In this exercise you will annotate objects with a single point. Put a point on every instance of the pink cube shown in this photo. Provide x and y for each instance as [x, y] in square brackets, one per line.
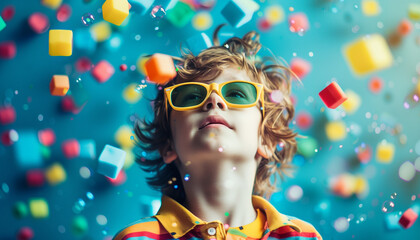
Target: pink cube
[103, 71]
[408, 218]
[35, 178]
[7, 50]
[333, 96]
[298, 22]
[8, 13]
[38, 22]
[46, 137]
[83, 64]
[304, 120]
[25, 233]
[71, 148]
[300, 67]
[7, 114]
[67, 104]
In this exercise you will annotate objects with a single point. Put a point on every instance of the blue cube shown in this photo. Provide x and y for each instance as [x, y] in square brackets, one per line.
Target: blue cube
[2, 24]
[111, 161]
[83, 40]
[140, 6]
[87, 148]
[198, 42]
[28, 150]
[391, 221]
[239, 12]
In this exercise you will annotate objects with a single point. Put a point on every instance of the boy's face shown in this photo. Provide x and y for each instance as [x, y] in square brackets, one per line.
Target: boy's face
[195, 146]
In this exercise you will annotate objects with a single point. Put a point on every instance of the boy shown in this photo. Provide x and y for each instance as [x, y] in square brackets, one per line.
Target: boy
[217, 128]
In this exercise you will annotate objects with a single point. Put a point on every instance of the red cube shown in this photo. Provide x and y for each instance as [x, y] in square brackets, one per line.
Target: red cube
[71, 148]
[35, 178]
[300, 67]
[408, 218]
[7, 50]
[8, 12]
[7, 114]
[333, 96]
[38, 22]
[25, 233]
[103, 71]
[83, 64]
[46, 137]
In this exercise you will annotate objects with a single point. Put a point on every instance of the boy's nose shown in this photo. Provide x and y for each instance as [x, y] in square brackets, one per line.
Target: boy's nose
[214, 101]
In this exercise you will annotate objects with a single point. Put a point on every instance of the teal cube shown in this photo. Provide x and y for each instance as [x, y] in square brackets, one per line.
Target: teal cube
[198, 42]
[2, 24]
[88, 148]
[83, 40]
[28, 150]
[180, 14]
[111, 161]
[391, 221]
[238, 12]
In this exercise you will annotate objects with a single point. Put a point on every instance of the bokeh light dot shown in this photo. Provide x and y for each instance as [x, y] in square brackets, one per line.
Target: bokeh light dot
[84, 172]
[341, 224]
[101, 220]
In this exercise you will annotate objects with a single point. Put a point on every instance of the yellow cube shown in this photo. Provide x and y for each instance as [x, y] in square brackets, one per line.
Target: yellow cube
[414, 11]
[60, 42]
[115, 11]
[368, 54]
[370, 7]
[129, 159]
[141, 61]
[352, 103]
[55, 174]
[100, 31]
[124, 137]
[360, 185]
[274, 14]
[336, 130]
[38, 208]
[53, 4]
[130, 93]
[385, 152]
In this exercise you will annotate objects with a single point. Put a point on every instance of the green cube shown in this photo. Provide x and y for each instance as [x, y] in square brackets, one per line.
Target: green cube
[20, 210]
[306, 146]
[79, 225]
[180, 14]
[2, 24]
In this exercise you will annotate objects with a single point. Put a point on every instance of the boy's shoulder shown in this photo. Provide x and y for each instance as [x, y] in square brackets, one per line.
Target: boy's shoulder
[147, 227]
[306, 229]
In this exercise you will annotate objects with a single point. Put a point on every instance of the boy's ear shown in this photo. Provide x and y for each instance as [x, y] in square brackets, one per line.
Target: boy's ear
[263, 150]
[168, 154]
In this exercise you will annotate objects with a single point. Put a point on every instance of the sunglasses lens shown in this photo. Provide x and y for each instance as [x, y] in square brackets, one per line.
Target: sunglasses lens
[241, 93]
[188, 95]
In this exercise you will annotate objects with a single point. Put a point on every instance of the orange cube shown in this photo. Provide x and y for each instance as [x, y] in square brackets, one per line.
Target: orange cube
[59, 85]
[160, 68]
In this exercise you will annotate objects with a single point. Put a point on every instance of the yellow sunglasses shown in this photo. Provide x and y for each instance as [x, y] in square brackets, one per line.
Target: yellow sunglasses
[192, 95]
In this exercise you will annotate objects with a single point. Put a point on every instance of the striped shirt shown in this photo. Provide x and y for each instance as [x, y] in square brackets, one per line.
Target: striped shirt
[174, 221]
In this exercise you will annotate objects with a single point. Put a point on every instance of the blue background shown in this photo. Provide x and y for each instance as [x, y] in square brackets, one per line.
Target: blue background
[332, 25]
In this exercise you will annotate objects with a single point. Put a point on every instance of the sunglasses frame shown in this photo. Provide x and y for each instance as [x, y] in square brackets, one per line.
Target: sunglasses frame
[217, 88]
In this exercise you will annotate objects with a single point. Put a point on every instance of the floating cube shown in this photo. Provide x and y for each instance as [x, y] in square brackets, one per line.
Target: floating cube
[53, 4]
[385, 152]
[274, 14]
[7, 114]
[39, 22]
[364, 153]
[55, 174]
[367, 54]
[343, 185]
[88, 148]
[198, 42]
[100, 31]
[131, 94]
[360, 185]
[83, 64]
[300, 67]
[7, 50]
[336, 130]
[298, 22]
[141, 62]
[239, 12]
[115, 11]
[333, 96]
[79, 225]
[38, 208]
[71, 148]
[414, 11]
[391, 221]
[2, 24]
[408, 218]
[140, 6]
[124, 136]
[20, 210]
[60, 42]
[370, 7]
[111, 161]
[25, 233]
[84, 40]
[306, 146]
[352, 103]
[28, 150]
[35, 178]
[46, 137]
[304, 120]
[79, 95]
[59, 85]
[407, 171]
[160, 68]
[103, 71]
[180, 14]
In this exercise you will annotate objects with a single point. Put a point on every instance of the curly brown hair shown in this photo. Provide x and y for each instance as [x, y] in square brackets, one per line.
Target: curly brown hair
[274, 129]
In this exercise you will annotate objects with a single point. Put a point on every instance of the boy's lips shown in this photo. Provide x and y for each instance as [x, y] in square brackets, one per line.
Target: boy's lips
[214, 119]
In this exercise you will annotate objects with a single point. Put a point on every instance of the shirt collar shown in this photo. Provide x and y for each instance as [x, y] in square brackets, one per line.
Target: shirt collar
[178, 220]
